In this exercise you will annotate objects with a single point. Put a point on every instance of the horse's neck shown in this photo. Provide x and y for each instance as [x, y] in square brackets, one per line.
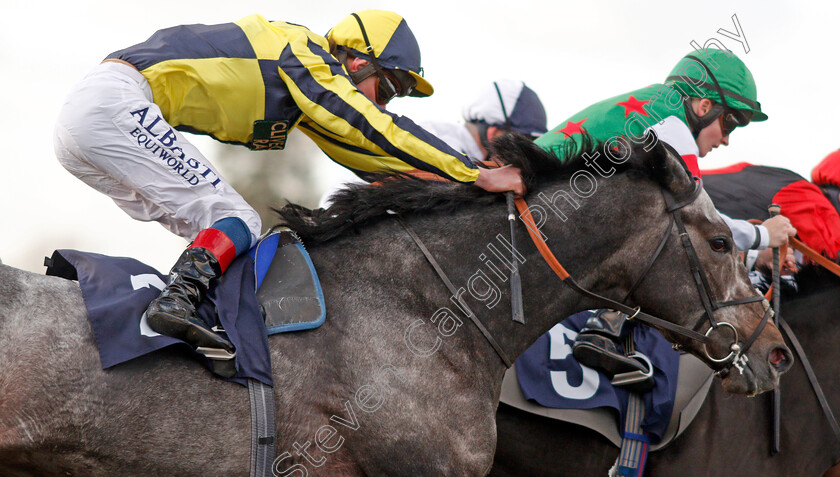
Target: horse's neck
[547, 299]
[477, 260]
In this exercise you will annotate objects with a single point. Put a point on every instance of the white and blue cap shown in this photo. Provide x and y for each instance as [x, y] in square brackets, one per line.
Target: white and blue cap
[508, 104]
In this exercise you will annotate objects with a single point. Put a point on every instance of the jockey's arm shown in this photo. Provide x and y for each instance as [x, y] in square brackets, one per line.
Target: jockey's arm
[774, 232]
[747, 236]
[349, 120]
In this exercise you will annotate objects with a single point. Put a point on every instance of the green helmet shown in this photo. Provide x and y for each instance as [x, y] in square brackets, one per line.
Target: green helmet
[720, 76]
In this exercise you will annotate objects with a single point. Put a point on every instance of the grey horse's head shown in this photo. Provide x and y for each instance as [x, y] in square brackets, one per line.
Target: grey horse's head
[697, 280]
[748, 351]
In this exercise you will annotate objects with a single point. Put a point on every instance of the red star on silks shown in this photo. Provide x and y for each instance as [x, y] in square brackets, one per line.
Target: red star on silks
[572, 128]
[633, 104]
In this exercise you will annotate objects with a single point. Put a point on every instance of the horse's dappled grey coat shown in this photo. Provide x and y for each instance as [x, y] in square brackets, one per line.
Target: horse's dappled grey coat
[397, 381]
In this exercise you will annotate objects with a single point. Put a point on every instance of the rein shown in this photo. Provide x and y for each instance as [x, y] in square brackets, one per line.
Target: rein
[809, 252]
[560, 271]
[812, 378]
[483, 329]
[737, 355]
[797, 346]
[737, 351]
[815, 256]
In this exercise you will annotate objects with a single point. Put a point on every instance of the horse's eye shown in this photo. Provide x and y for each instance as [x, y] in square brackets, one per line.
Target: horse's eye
[720, 244]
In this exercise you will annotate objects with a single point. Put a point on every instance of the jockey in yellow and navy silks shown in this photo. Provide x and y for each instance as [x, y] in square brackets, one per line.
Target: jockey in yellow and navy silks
[248, 82]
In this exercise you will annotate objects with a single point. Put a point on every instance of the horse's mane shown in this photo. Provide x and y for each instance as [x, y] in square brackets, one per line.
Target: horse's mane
[813, 278]
[362, 204]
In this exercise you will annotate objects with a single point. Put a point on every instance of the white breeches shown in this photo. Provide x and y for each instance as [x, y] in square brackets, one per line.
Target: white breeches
[113, 137]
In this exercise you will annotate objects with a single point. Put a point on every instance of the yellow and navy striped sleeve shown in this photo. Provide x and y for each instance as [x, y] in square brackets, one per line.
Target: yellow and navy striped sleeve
[353, 130]
[223, 80]
[355, 158]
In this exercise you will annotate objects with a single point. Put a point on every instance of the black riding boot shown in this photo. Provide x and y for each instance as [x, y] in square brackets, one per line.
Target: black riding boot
[173, 312]
[595, 347]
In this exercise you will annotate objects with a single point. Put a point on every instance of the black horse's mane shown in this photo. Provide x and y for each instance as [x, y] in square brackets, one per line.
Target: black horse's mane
[362, 204]
[812, 278]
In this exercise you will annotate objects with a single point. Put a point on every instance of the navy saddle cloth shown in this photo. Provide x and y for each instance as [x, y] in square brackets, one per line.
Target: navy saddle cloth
[549, 375]
[117, 290]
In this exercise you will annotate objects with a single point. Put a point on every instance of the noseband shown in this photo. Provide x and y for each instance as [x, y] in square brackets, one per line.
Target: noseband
[673, 204]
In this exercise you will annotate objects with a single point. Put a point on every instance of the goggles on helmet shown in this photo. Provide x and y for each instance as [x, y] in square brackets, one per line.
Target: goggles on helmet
[731, 119]
[392, 83]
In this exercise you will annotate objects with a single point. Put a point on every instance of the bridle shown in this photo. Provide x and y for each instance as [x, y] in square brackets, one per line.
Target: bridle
[737, 355]
[737, 350]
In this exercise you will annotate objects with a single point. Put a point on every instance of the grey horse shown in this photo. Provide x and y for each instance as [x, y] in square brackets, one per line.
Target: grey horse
[397, 381]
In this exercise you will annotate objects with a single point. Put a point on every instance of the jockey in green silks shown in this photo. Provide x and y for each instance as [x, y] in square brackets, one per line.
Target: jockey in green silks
[707, 95]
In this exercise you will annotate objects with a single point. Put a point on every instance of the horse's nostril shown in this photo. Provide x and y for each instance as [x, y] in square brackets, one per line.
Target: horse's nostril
[780, 358]
[776, 357]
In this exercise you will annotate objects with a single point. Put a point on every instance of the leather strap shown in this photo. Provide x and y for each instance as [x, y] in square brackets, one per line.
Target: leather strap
[554, 264]
[517, 309]
[815, 256]
[484, 331]
[776, 438]
[767, 313]
[815, 385]
[800, 352]
[805, 250]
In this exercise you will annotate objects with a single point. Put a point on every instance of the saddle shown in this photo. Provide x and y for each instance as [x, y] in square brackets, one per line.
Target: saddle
[281, 292]
[288, 290]
[693, 383]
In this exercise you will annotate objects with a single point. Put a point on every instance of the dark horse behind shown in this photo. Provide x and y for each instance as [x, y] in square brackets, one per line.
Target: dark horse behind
[397, 381]
[729, 436]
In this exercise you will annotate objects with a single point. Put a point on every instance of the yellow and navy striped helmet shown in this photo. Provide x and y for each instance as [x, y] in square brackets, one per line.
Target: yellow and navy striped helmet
[391, 40]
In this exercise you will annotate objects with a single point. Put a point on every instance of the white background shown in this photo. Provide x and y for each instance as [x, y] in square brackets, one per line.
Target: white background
[571, 53]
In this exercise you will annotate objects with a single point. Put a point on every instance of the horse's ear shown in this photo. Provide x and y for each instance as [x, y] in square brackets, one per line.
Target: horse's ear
[664, 163]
